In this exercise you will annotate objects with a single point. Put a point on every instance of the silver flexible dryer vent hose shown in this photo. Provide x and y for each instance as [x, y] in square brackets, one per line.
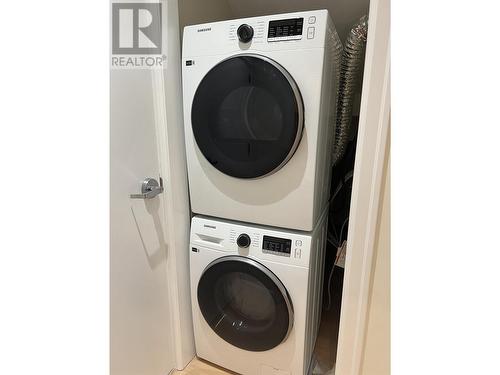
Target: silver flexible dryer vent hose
[350, 72]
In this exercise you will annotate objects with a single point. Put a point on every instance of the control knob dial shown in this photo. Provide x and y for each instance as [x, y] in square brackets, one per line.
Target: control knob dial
[243, 240]
[245, 33]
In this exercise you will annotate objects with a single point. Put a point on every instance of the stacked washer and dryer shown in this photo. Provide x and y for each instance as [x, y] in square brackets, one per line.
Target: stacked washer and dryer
[259, 111]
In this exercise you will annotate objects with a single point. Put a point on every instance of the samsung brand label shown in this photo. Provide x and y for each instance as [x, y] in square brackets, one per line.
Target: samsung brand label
[204, 29]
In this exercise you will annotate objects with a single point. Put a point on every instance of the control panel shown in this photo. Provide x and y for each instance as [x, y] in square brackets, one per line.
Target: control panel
[276, 245]
[289, 29]
[247, 33]
[276, 32]
[250, 240]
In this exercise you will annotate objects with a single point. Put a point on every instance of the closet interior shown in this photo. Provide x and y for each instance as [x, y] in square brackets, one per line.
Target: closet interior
[346, 15]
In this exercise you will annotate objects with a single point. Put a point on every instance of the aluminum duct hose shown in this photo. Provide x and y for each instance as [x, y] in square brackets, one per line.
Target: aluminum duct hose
[350, 73]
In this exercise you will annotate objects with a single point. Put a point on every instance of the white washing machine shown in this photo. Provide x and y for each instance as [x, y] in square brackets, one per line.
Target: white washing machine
[259, 108]
[256, 295]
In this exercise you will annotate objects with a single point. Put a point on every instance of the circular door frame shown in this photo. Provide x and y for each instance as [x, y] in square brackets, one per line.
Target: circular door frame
[277, 282]
[298, 100]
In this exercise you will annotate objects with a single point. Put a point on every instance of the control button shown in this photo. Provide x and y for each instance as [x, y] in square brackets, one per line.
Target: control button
[312, 19]
[297, 253]
[245, 33]
[310, 32]
[298, 243]
[243, 240]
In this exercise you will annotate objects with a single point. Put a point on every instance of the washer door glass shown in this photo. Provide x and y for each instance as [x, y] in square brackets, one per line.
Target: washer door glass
[245, 303]
[247, 116]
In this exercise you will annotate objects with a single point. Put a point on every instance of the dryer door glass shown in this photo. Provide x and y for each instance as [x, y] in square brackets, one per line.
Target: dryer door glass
[245, 303]
[247, 116]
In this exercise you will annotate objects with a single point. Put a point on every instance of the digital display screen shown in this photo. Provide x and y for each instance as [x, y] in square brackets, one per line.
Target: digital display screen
[277, 245]
[285, 28]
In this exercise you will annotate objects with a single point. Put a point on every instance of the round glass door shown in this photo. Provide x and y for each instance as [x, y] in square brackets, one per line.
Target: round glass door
[245, 303]
[247, 116]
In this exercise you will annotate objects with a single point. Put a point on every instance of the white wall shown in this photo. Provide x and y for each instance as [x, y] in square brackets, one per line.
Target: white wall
[192, 12]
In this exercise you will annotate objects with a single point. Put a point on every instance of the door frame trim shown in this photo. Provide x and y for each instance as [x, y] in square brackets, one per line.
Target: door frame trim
[173, 169]
[372, 145]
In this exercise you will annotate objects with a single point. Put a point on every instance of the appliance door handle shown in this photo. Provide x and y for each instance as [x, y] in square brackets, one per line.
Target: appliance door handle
[150, 188]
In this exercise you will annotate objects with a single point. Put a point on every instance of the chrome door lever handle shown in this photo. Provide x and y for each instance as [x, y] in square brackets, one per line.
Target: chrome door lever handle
[149, 189]
[153, 192]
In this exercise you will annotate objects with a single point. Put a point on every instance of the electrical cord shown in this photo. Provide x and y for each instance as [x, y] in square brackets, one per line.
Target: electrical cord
[346, 178]
[335, 233]
[332, 231]
[342, 229]
[333, 267]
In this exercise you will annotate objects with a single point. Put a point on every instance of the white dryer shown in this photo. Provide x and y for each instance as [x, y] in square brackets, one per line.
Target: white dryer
[259, 107]
[256, 295]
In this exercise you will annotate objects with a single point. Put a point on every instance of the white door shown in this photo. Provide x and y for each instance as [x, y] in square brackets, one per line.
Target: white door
[141, 335]
[150, 318]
